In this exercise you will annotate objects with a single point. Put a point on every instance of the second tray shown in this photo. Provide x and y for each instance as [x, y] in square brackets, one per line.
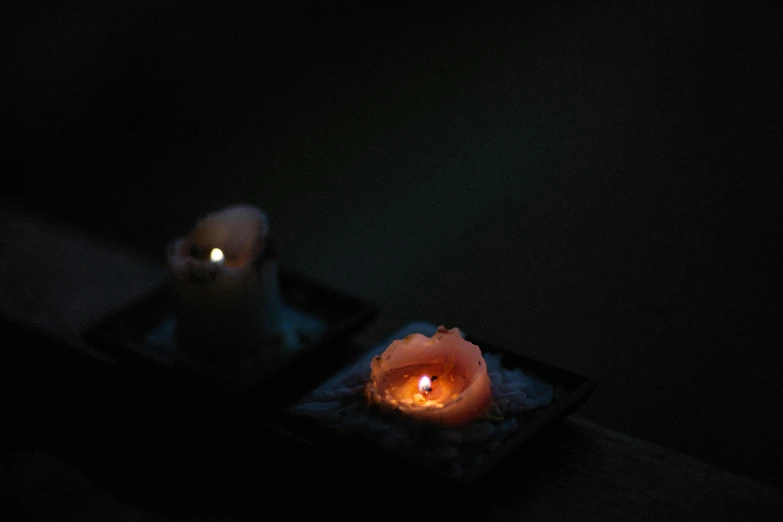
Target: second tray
[143, 331]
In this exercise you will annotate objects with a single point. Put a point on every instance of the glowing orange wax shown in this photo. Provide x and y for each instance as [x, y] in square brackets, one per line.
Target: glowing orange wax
[441, 379]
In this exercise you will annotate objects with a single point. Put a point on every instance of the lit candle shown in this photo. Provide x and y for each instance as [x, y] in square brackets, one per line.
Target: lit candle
[224, 280]
[441, 379]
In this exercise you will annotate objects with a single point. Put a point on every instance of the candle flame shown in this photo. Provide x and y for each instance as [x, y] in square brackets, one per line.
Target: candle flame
[216, 255]
[425, 384]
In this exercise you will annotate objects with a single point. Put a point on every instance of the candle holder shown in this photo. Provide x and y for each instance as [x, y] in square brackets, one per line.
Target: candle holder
[228, 314]
[527, 396]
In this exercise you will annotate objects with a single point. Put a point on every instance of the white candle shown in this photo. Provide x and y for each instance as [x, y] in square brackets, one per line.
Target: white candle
[224, 280]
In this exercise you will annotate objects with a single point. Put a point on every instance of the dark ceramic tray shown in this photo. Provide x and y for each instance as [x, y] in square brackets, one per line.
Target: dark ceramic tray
[141, 333]
[364, 440]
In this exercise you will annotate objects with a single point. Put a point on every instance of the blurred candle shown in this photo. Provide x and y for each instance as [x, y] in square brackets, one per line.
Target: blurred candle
[441, 379]
[224, 280]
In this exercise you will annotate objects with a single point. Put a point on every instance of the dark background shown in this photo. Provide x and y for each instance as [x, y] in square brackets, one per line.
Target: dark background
[593, 186]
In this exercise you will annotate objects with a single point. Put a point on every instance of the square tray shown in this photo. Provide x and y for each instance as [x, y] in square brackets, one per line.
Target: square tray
[141, 333]
[399, 447]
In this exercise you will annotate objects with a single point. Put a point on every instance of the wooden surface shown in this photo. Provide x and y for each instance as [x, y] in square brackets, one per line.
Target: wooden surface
[55, 282]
